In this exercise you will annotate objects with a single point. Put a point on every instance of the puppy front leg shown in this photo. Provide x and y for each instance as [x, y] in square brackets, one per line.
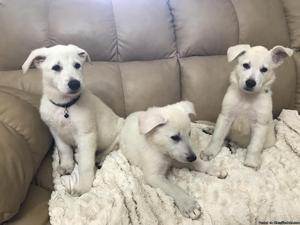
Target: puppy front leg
[221, 130]
[187, 206]
[87, 145]
[65, 152]
[255, 147]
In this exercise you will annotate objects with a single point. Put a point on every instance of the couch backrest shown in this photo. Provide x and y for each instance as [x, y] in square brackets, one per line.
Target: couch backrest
[151, 52]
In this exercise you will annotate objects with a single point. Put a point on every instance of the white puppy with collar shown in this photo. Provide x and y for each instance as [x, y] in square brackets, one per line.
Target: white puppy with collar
[78, 120]
[159, 138]
[247, 105]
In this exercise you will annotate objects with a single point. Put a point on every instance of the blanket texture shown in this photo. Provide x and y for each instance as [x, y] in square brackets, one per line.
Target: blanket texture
[120, 196]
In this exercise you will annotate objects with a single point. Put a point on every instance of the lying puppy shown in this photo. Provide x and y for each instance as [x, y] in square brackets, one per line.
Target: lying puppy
[159, 138]
[77, 119]
[247, 104]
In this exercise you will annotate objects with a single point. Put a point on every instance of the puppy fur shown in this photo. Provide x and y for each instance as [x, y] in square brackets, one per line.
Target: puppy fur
[246, 114]
[159, 138]
[91, 124]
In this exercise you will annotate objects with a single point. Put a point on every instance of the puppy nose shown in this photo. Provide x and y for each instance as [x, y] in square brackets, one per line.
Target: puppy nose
[192, 157]
[74, 85]
[250, 83]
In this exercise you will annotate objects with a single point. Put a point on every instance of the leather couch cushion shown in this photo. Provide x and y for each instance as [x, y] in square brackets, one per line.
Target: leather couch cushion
[26, 33]
[206, 27]
[144, 28]
[262, 22]
[104, 80]
[151, 83]
[30, 82]
[43, 177]
[24, 142]
[284, 88]
[92, 27]
[34, 209]
[205, 81]
[293, 18]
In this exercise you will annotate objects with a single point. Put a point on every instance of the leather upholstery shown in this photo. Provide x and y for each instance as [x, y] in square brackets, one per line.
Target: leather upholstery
[262, 22]
[144, 52]
[35, 208]
[144, 29]
[293, 21]
[101, 42]
[204, 27]
[152, 83]
[197, 87]
[24, 141]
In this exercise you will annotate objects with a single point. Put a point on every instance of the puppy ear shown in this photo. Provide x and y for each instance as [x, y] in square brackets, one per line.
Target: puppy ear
[81, 53]
[187, 107]
[279, 53]
[236, 51]
[149, 120]
[37, 57]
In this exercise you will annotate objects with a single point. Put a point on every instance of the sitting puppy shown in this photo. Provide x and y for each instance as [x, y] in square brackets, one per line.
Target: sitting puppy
[247, 104]
[77, 119]
[159, 138]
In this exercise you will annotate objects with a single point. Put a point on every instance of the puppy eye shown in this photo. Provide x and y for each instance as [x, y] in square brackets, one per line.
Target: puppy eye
[246, 66]
[57, 68]
[263, 69]
[176, 137]
[77, 66]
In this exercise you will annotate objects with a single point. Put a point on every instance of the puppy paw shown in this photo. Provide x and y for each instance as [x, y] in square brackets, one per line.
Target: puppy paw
[207, 155]
[219, 173]
[189, 208]
[66, 167]
[253, 161]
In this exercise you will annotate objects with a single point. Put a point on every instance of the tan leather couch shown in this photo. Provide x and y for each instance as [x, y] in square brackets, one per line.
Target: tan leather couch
[144, 52]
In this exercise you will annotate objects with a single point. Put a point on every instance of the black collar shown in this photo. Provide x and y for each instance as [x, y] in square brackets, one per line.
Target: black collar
[66, 105]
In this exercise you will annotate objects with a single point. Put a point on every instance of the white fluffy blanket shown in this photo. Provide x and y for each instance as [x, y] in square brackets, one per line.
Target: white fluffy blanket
[120, 196]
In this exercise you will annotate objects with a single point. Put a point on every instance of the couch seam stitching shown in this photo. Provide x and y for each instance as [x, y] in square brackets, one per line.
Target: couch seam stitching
[116, 32]
[118, 57]
[173, 28]
[122, 86]
[177, 56]
[48, 42]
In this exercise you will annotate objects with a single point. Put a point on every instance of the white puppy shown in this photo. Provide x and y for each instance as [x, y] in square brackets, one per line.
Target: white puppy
[77, 119]
[159, 138]
[247, 104]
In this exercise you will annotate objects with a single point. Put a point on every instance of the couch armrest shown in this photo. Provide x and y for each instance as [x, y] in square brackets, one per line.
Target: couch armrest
[24, 141]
